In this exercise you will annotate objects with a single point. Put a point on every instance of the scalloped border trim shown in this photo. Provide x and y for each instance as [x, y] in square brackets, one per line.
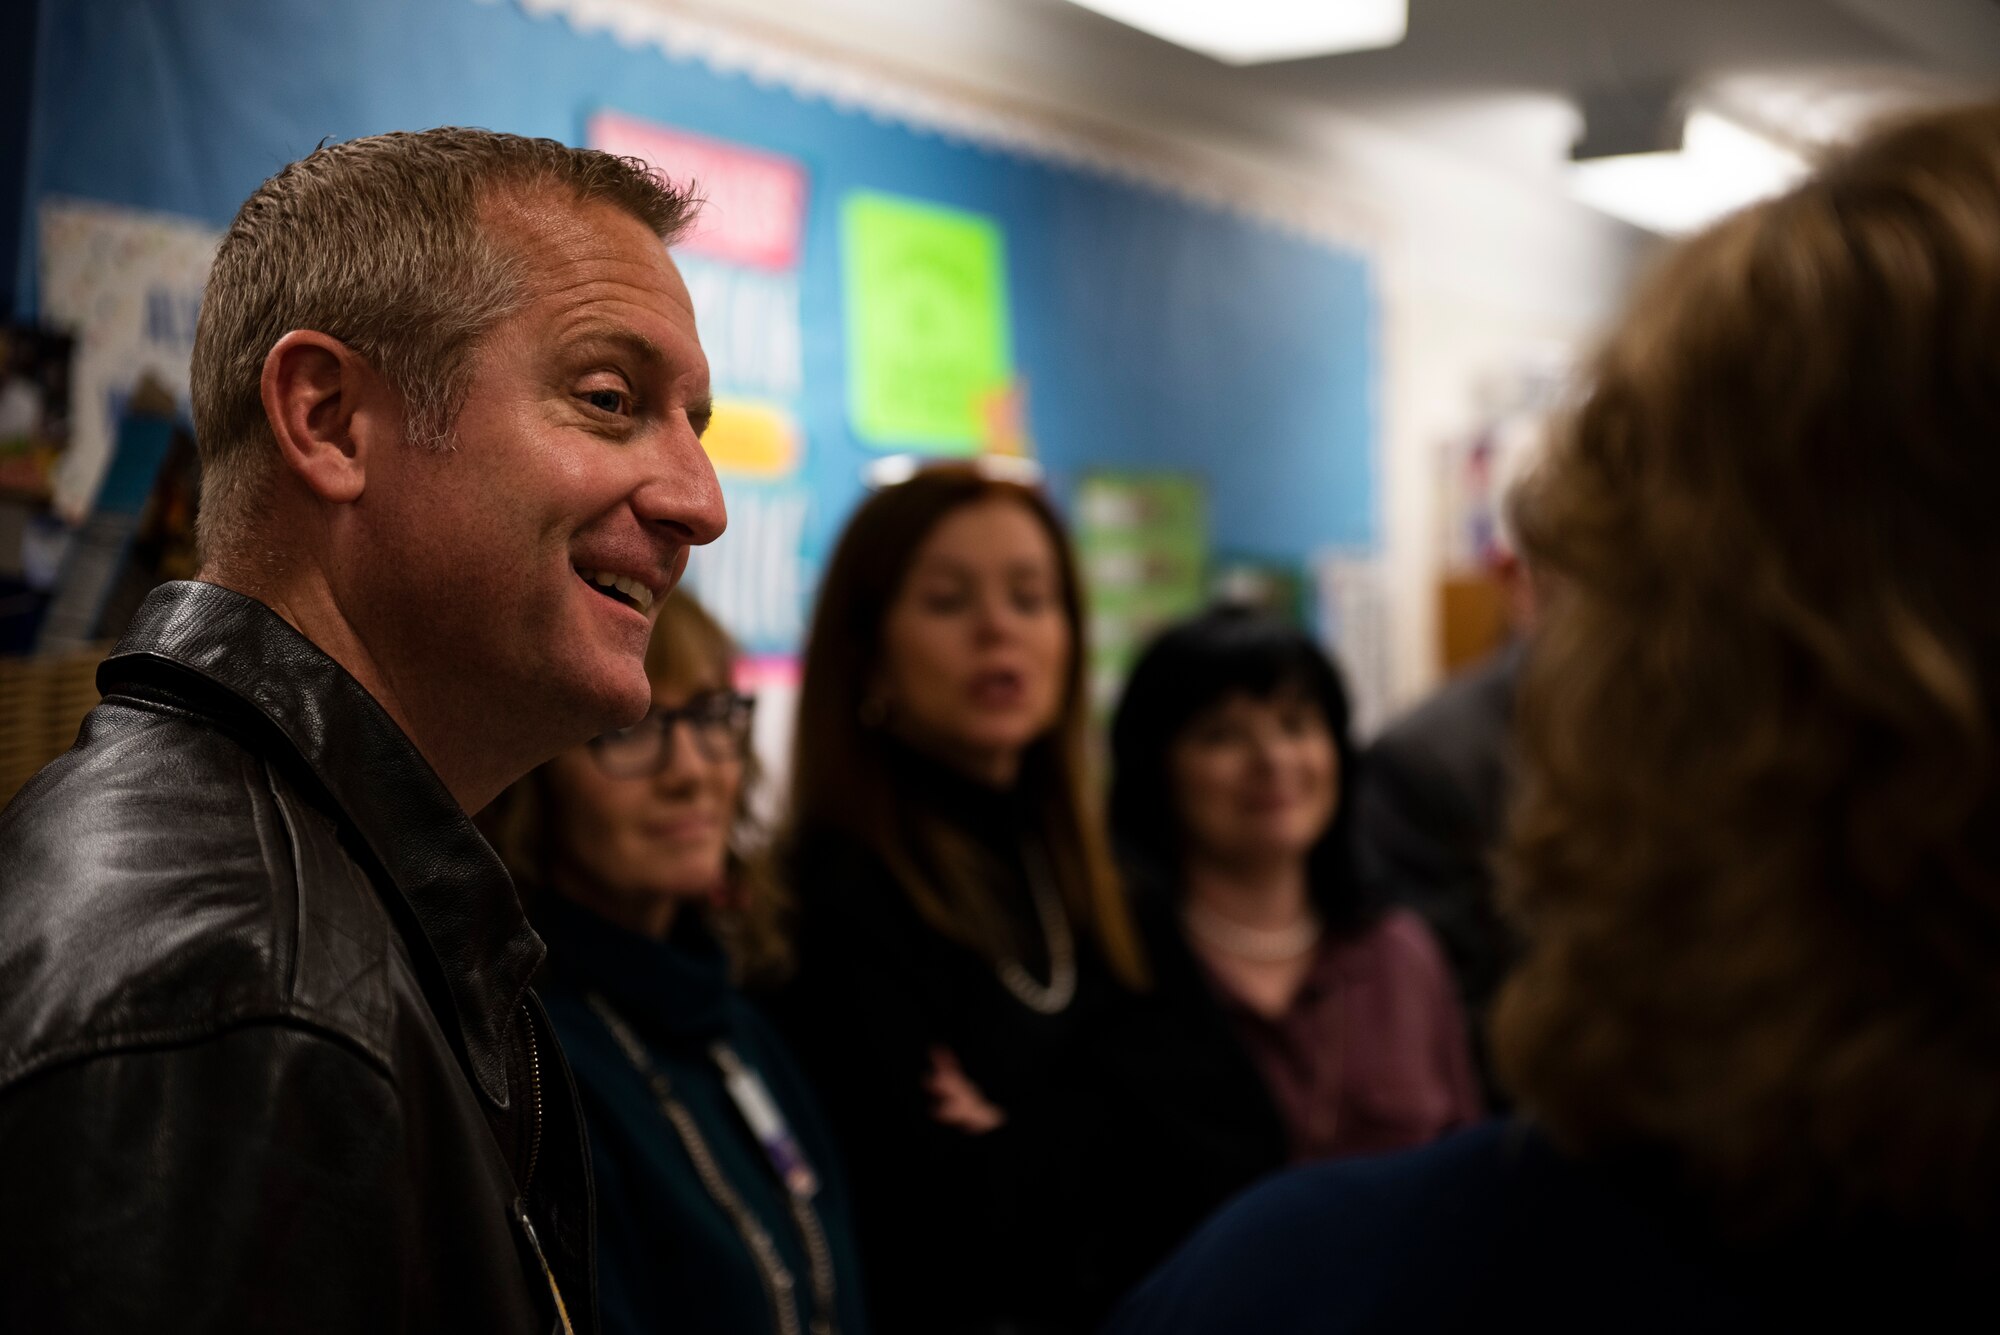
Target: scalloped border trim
[1169, 166]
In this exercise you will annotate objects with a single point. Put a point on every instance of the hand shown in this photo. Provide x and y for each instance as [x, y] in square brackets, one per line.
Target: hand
[955, 1100]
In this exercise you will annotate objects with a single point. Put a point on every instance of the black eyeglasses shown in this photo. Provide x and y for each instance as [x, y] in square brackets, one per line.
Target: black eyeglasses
[719, 722]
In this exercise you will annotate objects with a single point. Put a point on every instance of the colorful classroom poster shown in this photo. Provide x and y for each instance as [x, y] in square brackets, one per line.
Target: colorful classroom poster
[754, 203]
[741, 260]
[929, 332]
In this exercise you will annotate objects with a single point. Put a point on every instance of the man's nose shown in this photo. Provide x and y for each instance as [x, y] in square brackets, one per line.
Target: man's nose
[681, 491]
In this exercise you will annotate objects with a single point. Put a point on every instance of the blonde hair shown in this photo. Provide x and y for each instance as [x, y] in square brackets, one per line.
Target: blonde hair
[753, 916]
[378, 242]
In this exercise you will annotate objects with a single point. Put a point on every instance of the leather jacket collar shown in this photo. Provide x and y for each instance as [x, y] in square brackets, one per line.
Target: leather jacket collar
[451, 883]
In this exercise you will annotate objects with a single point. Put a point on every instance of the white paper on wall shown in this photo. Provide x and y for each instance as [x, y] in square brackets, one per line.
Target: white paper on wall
[1353, 611]
[127, 285]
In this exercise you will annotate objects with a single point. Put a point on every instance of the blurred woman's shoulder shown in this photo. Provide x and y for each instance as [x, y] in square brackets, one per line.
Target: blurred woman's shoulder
[1496, 1226]
[1399, 938]
[1461, 1232]
[851, 916]
[835, 876]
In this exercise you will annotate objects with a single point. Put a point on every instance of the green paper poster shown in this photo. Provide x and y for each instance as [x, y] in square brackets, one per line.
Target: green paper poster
[1142, 542]
[928, 330]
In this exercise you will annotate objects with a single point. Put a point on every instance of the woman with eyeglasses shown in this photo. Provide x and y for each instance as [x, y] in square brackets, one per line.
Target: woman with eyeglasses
[961, 927]
[720, 1206]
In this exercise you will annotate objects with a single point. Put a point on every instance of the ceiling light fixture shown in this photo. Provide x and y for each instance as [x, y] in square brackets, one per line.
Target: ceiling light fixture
[1250, 32]
[1719, 168]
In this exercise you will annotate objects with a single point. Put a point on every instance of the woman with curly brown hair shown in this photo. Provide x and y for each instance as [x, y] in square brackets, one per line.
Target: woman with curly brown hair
[1757, 1030]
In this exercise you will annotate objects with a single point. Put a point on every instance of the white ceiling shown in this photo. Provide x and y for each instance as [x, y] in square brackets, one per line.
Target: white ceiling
[1553, 45]
[1506, 78]
[1471, 119]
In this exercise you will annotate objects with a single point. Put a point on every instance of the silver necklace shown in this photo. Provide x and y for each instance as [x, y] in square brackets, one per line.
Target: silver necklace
[1054, 996]
[1259, 945]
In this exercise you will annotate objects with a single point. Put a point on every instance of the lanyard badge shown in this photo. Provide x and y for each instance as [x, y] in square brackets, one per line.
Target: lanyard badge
[760, 1112]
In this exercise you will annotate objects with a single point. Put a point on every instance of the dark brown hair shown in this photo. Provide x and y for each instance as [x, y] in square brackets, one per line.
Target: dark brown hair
[752, 918]
[1191, 668]
[842, 781]
[1758, 852]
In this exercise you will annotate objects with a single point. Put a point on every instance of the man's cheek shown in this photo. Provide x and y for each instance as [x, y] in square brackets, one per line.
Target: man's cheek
[679, 569]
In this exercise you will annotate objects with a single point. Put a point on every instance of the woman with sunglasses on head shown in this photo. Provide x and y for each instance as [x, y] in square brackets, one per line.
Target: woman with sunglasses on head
[719, 1204]
[960, 923]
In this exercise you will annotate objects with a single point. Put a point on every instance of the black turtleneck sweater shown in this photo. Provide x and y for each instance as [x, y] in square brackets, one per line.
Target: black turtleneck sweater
[961, 1234]
[668, 1257]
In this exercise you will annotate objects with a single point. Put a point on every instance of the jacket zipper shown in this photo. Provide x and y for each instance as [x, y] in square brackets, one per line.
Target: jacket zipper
[525, 1220]
[534, 1098]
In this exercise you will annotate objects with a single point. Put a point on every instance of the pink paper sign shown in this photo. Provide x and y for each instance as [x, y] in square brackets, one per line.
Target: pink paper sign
[767, 672]
[756, 200]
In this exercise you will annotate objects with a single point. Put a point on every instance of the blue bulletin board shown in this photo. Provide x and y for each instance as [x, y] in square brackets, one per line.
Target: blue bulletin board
[1149, 331]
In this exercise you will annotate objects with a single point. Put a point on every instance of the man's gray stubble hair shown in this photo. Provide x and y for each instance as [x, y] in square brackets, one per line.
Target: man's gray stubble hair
[379, 242]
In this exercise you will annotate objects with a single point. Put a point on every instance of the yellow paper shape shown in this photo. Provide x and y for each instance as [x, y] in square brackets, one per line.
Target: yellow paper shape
[747, 439]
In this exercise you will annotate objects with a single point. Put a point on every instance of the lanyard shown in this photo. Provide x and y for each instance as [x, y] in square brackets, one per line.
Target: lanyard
[527, 1227]
[777, 1279]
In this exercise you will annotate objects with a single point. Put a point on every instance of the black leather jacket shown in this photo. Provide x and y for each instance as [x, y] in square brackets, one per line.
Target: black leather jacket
[268, 1059]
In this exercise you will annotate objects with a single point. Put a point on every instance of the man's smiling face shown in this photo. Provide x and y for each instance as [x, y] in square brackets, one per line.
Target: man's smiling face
[531, 555]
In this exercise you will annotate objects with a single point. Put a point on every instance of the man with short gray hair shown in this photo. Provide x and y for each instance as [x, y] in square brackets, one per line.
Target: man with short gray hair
[268, 1058]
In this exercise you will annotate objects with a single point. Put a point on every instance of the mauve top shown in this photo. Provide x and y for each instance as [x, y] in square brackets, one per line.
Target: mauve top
[1372, 1053]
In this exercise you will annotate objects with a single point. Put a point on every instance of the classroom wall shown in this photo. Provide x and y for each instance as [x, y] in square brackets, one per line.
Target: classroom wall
[1481, 267]
[1298, 306]
[1149, 329]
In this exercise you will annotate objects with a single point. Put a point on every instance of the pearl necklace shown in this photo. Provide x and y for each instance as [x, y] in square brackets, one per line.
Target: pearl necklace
[1053, 997]
[1258, 945]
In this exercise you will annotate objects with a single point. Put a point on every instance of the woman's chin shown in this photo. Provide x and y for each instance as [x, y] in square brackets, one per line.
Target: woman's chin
[693, 887]
[1266, 847]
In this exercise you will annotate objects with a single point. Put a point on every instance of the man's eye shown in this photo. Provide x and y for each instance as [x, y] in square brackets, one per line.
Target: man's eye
[607, 400]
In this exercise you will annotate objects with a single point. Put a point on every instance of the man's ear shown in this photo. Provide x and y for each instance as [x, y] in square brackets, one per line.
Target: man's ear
[314, 387]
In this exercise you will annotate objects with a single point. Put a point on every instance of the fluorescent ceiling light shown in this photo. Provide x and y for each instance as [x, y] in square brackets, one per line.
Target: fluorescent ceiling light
[1247, 32]
[1719, 168]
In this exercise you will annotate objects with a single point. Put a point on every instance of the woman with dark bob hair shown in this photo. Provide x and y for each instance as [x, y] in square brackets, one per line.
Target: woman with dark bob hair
[1757, 1029]
[1311, 1024]
[961, 925]
[1289, 1019]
